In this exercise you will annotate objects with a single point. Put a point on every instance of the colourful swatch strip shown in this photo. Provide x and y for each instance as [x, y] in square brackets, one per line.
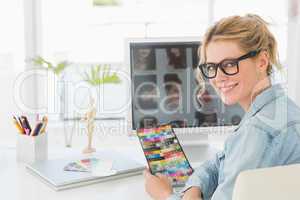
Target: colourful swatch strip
[84, 165]
[164, 153]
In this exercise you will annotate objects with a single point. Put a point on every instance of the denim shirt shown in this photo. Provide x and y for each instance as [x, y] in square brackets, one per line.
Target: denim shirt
[267, 136]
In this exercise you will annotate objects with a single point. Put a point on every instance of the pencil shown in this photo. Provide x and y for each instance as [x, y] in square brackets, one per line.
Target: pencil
[18, 126]
[37, 129]
[45, 122]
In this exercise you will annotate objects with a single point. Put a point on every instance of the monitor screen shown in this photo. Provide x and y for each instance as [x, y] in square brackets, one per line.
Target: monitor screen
[165, 87]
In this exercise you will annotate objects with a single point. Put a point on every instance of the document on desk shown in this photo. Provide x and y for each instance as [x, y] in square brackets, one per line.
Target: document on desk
[108, 166]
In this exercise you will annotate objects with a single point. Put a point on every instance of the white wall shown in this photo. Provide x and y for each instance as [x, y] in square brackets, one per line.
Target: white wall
[293, 50]
[19, 41]
[7, 131]
[11, 63]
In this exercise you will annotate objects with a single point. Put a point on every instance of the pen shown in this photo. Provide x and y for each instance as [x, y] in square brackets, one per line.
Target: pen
[17, 125]
[20, 122]
[45, 121]
[25, 125]
[37, 129]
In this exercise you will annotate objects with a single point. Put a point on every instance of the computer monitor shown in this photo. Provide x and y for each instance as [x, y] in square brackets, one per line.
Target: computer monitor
[165, 89]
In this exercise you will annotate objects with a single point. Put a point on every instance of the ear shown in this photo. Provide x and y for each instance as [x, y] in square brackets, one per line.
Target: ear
[263, 62]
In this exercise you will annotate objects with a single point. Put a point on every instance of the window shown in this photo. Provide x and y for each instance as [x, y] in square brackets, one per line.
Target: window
[81, 32]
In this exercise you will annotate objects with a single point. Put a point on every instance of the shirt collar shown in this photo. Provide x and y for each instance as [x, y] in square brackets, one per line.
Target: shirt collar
[262, 99]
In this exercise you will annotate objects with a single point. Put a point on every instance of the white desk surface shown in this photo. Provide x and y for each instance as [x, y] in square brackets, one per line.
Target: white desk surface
[16, 183]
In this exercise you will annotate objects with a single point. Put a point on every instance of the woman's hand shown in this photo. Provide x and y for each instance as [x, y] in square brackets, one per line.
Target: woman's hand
[158, 187]
[193, 193]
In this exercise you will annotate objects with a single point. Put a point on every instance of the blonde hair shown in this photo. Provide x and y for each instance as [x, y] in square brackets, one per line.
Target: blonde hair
[249, 31]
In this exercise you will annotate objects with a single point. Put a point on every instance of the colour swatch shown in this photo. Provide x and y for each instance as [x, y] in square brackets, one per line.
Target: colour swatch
[164, 153]
[84, 165]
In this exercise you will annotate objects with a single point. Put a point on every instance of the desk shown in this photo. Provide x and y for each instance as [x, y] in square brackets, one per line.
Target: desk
[17, 184]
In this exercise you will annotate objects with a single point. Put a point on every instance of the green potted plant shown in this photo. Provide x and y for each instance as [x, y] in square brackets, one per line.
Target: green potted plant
[58, 70]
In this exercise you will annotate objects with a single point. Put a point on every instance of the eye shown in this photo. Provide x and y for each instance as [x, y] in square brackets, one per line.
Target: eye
[229, 63]
[210, 67]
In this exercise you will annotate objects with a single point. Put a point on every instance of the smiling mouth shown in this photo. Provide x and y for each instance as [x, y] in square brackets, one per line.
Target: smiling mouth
[227, 88]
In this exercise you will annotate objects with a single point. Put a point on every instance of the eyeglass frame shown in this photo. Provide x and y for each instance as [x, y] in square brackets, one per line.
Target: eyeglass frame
[250, 54]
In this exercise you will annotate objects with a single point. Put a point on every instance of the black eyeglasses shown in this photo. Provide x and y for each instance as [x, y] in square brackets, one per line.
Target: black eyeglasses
[228, 66]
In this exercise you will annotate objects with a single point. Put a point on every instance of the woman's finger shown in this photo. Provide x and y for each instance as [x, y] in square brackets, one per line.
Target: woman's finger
[147, 174]
[162, 177]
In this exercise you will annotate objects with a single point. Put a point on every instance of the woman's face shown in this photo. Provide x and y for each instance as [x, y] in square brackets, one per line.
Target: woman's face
[175, 51]
[236, 88]
[174, 92]
[144, 53]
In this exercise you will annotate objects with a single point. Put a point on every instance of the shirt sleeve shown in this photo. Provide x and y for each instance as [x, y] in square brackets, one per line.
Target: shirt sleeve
[255, 148]
[206, 176]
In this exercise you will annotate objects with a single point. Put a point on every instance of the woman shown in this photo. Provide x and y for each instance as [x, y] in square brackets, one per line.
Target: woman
[237, 56]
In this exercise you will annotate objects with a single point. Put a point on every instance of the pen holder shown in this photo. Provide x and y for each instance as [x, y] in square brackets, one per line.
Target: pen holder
[32, 148]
